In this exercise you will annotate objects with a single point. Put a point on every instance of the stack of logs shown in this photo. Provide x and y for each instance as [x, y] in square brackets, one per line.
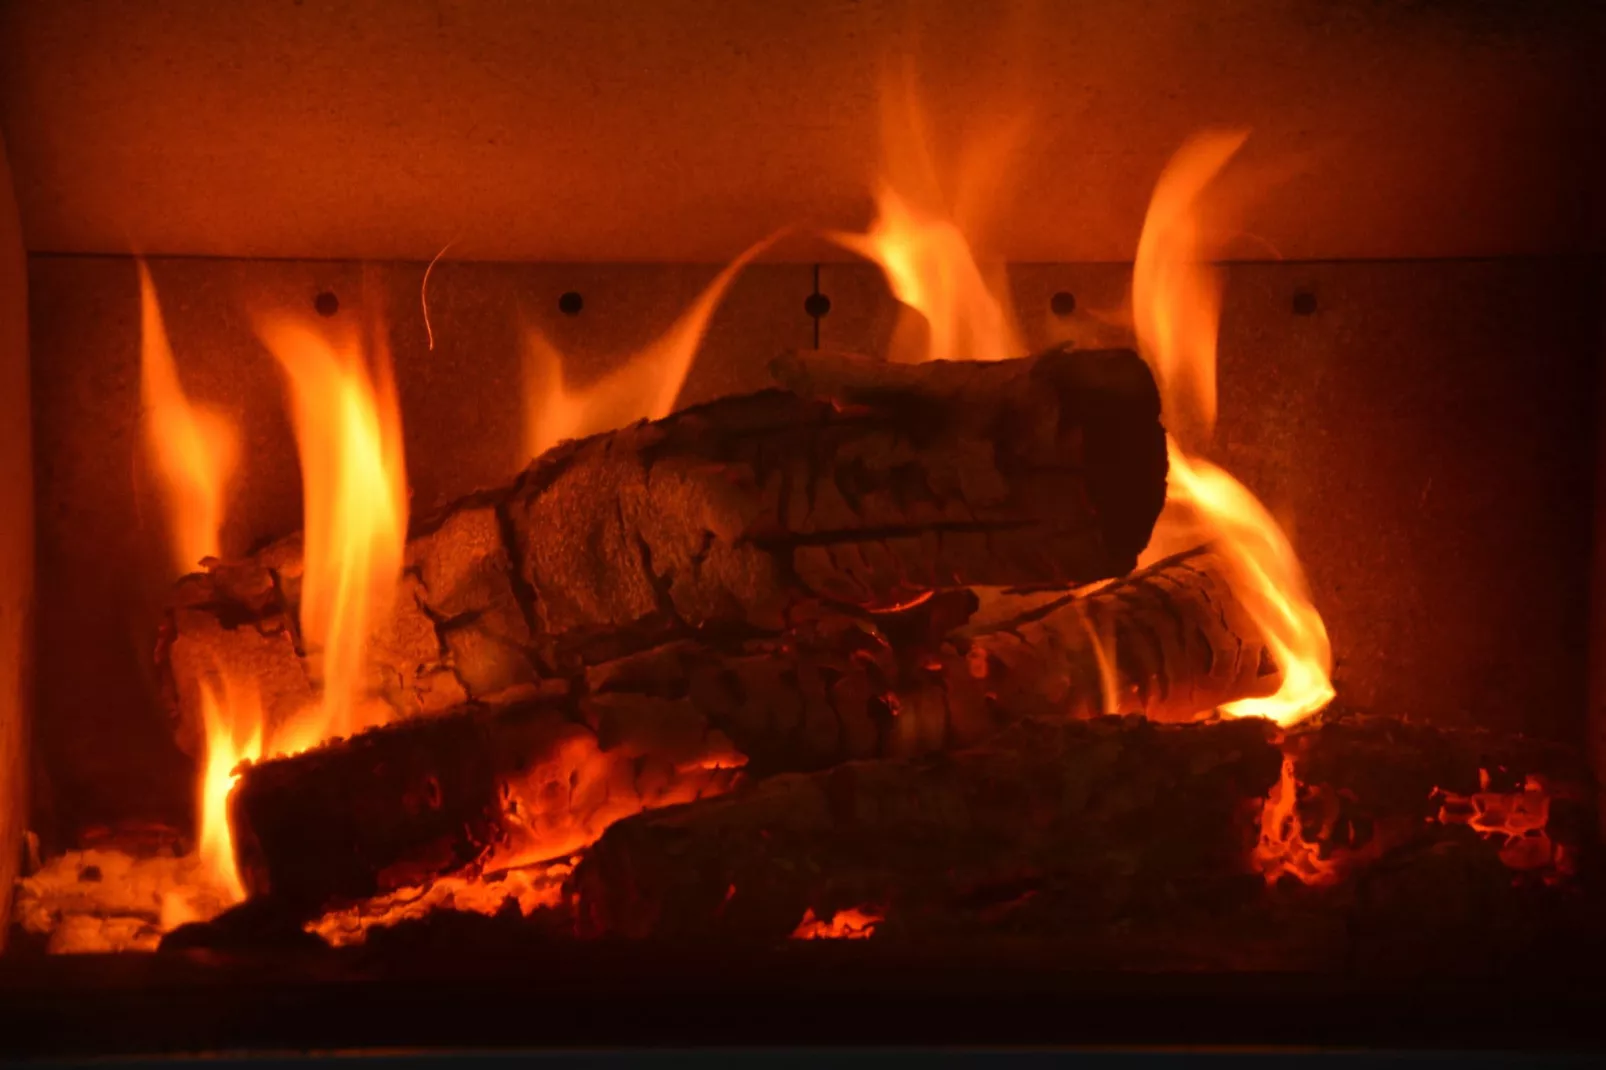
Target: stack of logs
[845, 642]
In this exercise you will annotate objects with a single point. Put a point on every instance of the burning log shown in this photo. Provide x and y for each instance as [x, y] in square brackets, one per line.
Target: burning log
[1171, 642]
[737, 514]
[1108, 804]
[401, 803]
[839, 688]
[394, 807]
[1356, 788]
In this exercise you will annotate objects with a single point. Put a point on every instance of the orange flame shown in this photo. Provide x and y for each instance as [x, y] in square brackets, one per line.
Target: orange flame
[923, 240]
[1282, 847]
[348, 433]
[194, 447]
[644, 388]
[855, 923]
[1176, 299]
[931, 270]
[233, 723]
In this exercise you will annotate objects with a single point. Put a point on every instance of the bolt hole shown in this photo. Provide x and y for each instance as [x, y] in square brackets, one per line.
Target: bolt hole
[1304, 303]
[817, 305]
[1062, 304]
[326, 303]
[571, 303]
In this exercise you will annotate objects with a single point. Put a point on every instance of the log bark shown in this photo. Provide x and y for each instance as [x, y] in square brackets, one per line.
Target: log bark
[543, 775]
[394, 807]
[835, 689]
[1369, 785]
[1170, 642]
[739, 515]
[1112, 805]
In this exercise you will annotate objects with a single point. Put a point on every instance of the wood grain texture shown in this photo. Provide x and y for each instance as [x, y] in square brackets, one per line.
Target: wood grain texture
[741, 516]
[1170, 642]
[1410, 482]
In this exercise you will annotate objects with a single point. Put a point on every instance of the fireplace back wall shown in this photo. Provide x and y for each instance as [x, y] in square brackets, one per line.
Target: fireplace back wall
[1407, 360]
[1424, 429]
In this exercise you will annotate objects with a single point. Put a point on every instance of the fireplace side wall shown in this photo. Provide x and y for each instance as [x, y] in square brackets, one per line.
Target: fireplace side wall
[16, 541]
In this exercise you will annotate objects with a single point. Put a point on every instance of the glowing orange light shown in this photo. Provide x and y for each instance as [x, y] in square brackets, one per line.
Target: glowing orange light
[1520, 819]
[1176, 298]
[194, 448]
[855, 923]
[923, 246]
[1282, 848]
[234, 723]
[348, 433]
[644, 388]
[930, 269]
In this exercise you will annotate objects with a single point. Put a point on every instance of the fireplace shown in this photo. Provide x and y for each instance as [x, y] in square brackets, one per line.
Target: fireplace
[746, 509]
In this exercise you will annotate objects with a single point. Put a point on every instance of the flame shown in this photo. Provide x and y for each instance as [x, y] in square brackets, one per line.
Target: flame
[348, 434]
[1282, 847]
[644, 388]
[929, 266]
[233, 723]
[923, 239]
[855, 923]
[1176, 300]
[194, 447]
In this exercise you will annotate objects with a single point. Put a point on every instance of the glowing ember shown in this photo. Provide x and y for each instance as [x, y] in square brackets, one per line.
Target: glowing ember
[1518, 818]
[529, 887]
[567, 801]
[1176, 306]
[1283, 848]
[348, 433]
[644, 388]
[856, 923]
[193, 447]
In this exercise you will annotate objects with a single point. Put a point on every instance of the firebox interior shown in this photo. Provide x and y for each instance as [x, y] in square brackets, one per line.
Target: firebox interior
[1408, 359]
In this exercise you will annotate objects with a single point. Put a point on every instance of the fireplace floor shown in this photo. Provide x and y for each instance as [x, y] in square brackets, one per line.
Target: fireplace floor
[625, 996]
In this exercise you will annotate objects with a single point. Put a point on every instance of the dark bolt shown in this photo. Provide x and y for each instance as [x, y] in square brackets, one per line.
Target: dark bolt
[571, 303]
[1062, 304]
[326, 303]
[817, 305]
[1304, 303]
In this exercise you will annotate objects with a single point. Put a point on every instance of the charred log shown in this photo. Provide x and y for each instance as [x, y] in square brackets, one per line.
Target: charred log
[394, 807]
[838, 688]
[1110, 804]
[736, 515]
[1364, 786]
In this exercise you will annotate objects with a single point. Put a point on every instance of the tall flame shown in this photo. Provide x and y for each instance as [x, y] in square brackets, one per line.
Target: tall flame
[931, 269]
[923, 238]
[348, 434]
[194, 448]
[1176, 299]
[644, 388]
[233, 723]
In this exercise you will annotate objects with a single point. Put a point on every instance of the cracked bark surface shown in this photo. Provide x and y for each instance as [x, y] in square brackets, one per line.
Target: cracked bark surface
[1170, 642]
[740, 517]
